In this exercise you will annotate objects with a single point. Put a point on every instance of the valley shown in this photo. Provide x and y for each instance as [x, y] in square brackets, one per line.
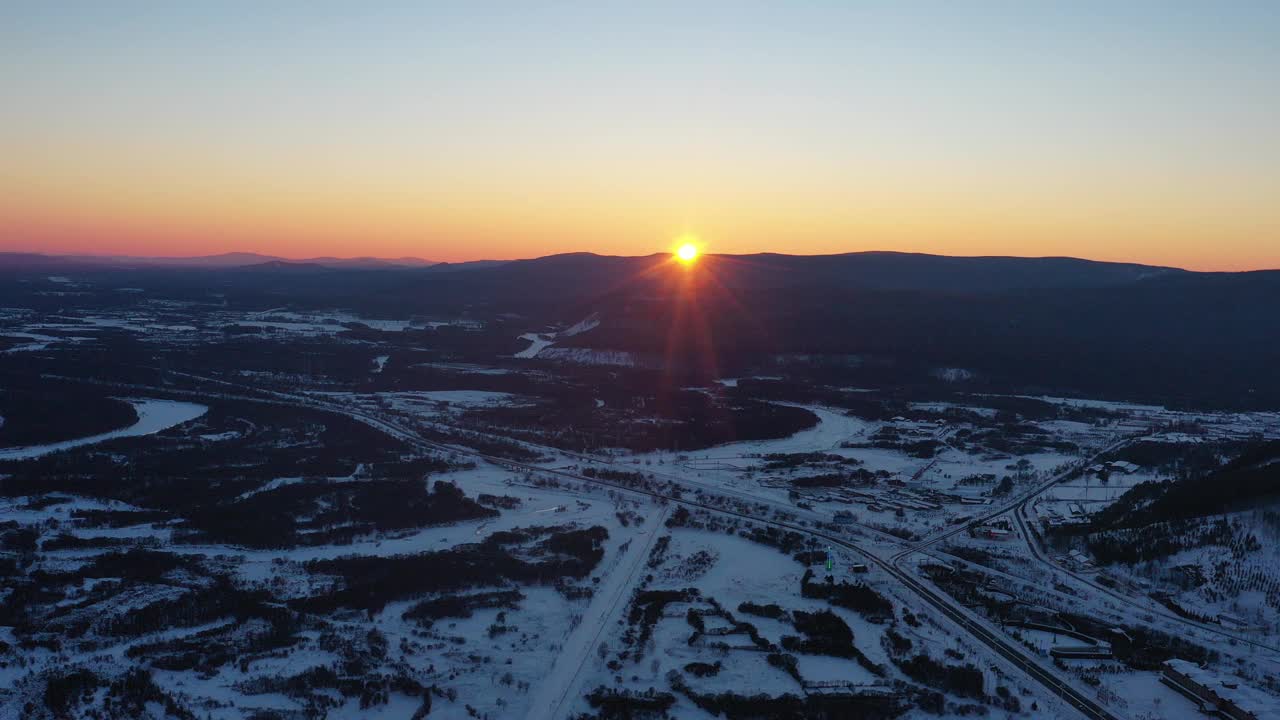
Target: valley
[322, 513]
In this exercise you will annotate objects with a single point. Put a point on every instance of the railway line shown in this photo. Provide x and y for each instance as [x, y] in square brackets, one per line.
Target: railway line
[1037, 552]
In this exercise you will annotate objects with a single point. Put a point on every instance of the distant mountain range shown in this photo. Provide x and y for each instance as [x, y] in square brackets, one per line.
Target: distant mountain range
[1040, 324]
[37, 262]
[221, 261]
[586, 272]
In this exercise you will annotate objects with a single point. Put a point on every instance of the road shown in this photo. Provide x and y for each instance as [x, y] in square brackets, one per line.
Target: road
[1014, 502]
[993, 639]
[566, 678]
[1037, 552]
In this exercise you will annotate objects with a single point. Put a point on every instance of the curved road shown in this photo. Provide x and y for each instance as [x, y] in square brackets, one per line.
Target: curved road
[1033, 544]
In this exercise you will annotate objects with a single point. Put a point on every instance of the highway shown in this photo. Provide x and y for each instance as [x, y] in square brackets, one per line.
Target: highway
[1013, 503]
[992, 638]
[1018, 508]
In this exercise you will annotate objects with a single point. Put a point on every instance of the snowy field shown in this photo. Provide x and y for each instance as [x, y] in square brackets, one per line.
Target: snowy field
[732, 570]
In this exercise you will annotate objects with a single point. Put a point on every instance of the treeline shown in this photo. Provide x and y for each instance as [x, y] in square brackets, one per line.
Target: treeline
[1161, 540]
[38, 411]
[319, 512]
[618, 704]
[825, 633]
[772, 610]
[761, 706]
[1142, 647]
[316, 688]
[370, 582]
[176, 475]
[1250, 479]
[790, 461]
[130, 695]
[345, 358]
[962, 680]
[674, 420]
[827, 385]
[857, 597]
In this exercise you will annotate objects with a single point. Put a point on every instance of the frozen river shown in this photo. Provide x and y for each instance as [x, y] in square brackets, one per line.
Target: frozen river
[153, 416]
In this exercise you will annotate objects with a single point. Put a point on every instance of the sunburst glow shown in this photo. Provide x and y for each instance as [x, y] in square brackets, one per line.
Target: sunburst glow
[687, 252]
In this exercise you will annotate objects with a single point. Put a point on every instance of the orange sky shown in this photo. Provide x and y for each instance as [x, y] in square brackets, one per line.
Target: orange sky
[161, 219]
[1077, 130]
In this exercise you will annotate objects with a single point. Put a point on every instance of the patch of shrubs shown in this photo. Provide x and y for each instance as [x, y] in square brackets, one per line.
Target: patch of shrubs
[370, 582]
[961, 680]
[306, 513]
[787, 541]
[700, 669]
[895, 643]
[826, 634]
[505, 502]
[127, 696]
[772, 610]
[647, 607]
[461, 606]
[857, 597]
[786, 663]
[814, 707]
[614, 703]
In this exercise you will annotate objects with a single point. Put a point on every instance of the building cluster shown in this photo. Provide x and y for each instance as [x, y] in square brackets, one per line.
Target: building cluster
[1124, 467]
[1217, 695]
[1000, 528]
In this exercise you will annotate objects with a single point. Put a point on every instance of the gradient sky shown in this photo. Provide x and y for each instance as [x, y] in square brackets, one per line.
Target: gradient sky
[1142, 131]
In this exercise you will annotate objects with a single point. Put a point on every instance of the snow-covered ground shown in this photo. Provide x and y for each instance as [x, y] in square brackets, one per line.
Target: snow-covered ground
[542, 341]
[563, 643]
[733, 570]
[537, 344]
[590, 356]
[496, 674]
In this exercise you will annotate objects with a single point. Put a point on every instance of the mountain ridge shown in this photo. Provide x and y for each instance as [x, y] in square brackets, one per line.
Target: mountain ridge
[227, 260]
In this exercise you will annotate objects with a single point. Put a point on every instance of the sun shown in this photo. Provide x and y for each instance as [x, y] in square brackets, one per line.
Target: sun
[687, 252]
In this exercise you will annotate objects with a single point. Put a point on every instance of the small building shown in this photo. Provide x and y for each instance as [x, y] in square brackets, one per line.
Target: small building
[997, 533]
[1081, 652]
[842, 518]
[1125, 467]
[1235, 622]
[1217, 695]
[998, 529]
[1079, 558]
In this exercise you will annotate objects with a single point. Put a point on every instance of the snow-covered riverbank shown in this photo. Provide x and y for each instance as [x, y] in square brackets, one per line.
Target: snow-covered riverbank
[153, 417]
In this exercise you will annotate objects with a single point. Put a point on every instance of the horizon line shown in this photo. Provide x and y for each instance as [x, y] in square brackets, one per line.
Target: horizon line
[428, 262]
